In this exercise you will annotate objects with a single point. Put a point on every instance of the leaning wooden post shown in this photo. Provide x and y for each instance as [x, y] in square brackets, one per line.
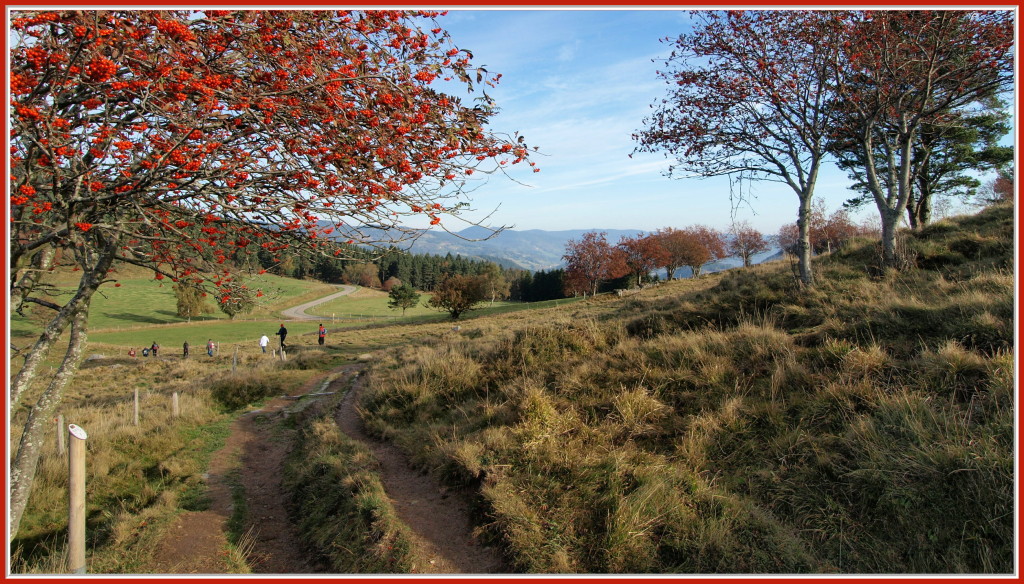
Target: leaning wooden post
[61, 448]
[175, 410]
[135, 418]
[76, 500]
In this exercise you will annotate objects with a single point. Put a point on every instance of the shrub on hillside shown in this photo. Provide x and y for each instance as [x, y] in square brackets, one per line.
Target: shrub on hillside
[304, 359]
[237, 391]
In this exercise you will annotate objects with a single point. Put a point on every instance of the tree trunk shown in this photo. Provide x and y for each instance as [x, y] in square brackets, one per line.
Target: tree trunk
[912, 209]
[25, 463]
[90, 281]
[890, 223]
[28, 278]
[803, 244]
[923, 209]
[23, 466]
[893, 210]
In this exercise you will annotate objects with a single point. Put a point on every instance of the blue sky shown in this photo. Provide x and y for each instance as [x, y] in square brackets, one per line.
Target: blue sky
[578, 83]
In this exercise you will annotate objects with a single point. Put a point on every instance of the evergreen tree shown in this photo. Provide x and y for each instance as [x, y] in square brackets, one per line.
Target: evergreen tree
[404, 297]
[191, 301]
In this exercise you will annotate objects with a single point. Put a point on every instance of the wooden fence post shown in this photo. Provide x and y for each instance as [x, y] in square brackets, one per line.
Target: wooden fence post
[175, 410]
[61, 448]
[135, 418]
[76, 500]
[234, 360]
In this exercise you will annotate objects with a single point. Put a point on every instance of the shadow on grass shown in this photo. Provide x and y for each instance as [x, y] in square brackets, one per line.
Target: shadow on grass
[142, 319]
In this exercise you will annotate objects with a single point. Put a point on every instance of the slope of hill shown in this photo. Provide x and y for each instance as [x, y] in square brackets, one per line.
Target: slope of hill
[738, 423]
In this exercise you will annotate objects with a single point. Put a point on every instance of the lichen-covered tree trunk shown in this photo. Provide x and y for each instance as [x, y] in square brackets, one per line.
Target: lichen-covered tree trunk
[803, 242]
[25, 463]
[75, 313]
[51, 333]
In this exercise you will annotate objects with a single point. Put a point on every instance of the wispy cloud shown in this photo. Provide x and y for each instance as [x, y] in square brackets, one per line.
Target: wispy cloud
[578, 84]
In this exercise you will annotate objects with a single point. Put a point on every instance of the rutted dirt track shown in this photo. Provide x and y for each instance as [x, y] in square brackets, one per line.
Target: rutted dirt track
[253, 457]
[439, 519]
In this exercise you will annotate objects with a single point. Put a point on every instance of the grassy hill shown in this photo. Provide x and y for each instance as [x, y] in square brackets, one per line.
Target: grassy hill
[739, 424]
[730, 424]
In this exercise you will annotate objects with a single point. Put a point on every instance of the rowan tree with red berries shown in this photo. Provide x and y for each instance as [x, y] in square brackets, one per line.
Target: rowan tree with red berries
[176, 140]
[904, 71]
[750, 94]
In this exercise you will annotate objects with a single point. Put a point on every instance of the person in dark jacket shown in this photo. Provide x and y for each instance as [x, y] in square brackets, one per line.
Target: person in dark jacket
[282, 332]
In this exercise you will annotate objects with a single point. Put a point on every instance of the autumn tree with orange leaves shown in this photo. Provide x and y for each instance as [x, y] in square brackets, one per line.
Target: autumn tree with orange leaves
[591, 261]
[177, 140]
[745, 241]
[642, 255]
[692, 246]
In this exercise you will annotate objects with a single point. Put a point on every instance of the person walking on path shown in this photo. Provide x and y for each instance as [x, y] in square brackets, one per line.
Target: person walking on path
[282, 332]
[154, 348]
[264, 341]
[320, 334]
[185, 349]
[210, 347]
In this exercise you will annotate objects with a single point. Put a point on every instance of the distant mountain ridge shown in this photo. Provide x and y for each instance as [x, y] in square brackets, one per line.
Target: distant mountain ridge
[533, 249]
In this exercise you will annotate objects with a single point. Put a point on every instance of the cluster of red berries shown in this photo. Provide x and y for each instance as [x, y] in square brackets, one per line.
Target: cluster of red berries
[100, 69]
[37, 57]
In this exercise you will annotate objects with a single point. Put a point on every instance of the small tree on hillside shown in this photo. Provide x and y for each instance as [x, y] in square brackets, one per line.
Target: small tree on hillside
[827, 232]
[746, 241]
[402, 296]
[458, 294]
[698, 245]
[592, 261]
[191, 301]
[498, 284]
[361, 274]
[999, 189]
[642, 255]
[671, 240]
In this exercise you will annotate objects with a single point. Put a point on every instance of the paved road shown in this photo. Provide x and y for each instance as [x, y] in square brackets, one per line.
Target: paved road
[299, 312]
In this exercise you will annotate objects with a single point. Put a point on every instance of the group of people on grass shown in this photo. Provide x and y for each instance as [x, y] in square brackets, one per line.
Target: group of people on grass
[211, 347]
[150, 350]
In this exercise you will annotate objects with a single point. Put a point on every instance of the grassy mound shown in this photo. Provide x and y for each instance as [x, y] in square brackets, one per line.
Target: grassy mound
[340, 503]
[864, 426]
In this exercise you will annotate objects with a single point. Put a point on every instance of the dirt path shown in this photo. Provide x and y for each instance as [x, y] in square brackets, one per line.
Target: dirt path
[438, 518]
[252, 458]
[252, 461]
